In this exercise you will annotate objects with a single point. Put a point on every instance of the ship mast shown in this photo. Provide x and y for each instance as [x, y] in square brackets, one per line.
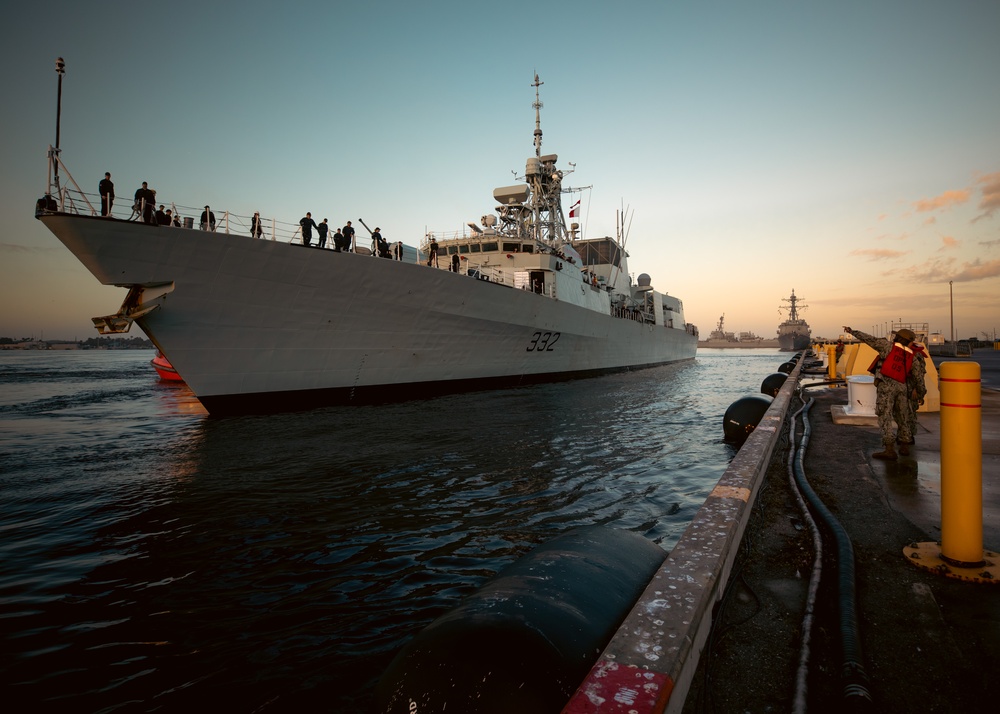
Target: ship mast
[537, 104]
[545, 222]
[793, 313]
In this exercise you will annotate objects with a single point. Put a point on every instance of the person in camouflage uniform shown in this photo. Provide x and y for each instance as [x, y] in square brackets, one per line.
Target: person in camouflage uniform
[915, 395]
[899, 379]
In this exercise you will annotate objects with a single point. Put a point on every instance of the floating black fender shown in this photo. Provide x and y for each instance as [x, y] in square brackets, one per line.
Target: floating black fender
[787, 367]
[743, 416]
[526, 639]
[772, 383]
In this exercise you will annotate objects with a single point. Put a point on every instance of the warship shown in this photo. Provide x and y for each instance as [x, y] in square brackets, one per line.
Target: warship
[257, 324]
[794, 333]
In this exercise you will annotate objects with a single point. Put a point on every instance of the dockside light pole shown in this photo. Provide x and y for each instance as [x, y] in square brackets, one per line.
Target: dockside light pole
[951, 304]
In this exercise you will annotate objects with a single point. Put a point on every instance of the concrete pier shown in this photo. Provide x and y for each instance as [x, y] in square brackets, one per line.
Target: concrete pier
[720, 627]
[930, 643]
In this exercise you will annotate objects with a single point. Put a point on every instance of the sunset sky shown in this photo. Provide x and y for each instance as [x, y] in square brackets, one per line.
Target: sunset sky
[848, 150]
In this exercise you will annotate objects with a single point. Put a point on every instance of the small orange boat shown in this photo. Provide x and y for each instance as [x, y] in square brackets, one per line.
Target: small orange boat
[165, 369]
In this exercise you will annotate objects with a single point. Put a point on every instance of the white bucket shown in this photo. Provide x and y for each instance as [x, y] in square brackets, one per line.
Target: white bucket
[860, 395]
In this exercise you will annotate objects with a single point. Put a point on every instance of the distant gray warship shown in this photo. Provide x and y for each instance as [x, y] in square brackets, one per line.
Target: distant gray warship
[794, 333]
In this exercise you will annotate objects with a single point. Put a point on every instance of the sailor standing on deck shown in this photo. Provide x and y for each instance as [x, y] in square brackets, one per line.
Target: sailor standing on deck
[899, 377]
[307, 225]
[145, 198]
[107, 190]
[323, 228]
[348, 232]
[207, 219]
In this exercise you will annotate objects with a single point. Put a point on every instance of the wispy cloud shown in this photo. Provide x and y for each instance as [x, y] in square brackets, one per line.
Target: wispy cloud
[886, 236]
[990, 200]
[942, 270]
[948, 242]
[990, 243]
[878, 253]
[945, 200]
[978, 270]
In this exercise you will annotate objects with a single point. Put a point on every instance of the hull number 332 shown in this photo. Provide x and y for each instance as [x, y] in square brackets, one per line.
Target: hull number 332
[543, 341]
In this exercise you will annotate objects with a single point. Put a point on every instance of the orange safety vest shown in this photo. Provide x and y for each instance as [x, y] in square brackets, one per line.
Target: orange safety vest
[897, 363]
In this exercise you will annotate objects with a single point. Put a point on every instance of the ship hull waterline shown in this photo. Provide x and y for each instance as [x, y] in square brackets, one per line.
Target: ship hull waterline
[257, 326]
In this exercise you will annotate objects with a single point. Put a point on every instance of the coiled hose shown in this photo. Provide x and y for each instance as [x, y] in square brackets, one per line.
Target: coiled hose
[854, 676]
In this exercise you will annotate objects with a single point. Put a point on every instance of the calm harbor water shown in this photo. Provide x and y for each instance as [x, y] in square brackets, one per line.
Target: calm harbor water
[153, 559]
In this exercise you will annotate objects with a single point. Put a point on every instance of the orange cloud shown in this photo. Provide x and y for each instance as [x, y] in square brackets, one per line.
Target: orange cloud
[990, 201]
[878, 253]
[949, 242]
[978, 270]
[945, 200]
[943, 270]
[886, 236]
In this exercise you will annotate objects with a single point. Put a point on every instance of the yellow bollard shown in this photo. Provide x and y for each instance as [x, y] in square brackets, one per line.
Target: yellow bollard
[961, 464]
[959, 553]
[831, 361]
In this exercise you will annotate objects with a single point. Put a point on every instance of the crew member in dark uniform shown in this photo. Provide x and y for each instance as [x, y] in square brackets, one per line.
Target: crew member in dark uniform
[307, 225]
[145, 202]
[322, 229]
[107, 190]
[348, 232]
[207, 219]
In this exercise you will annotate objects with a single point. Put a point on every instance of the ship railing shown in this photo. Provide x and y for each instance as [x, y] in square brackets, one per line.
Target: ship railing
[631, 313]
[498, 276]
[490, 273]
[65, 197]
[70, 198]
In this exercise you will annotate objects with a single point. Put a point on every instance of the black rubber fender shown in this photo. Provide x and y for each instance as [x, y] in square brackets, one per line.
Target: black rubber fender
[526, 639]
[772, 383]
[743, 416]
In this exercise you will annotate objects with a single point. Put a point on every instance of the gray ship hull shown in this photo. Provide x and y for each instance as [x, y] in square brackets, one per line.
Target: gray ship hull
[259, 326]
[793, 341]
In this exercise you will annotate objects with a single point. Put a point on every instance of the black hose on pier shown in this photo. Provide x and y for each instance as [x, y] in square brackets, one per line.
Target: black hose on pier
[854, 676]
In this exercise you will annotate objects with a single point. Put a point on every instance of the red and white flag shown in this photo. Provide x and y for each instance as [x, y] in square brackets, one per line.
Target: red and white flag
[574, 210]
